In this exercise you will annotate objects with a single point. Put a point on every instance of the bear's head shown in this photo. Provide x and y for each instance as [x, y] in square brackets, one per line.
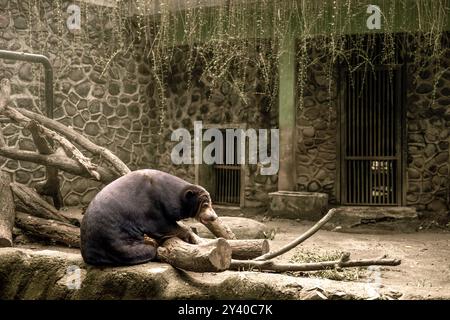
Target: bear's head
[197, 204]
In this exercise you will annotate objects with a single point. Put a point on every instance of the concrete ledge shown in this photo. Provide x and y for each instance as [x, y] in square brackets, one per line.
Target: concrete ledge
[358, 215]
[298, 205]
[28, 274]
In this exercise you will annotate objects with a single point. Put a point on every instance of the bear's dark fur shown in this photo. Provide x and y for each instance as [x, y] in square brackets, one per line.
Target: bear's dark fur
[143, 202]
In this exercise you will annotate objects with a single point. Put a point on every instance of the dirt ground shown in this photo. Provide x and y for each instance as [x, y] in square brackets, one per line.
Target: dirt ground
[425, 268]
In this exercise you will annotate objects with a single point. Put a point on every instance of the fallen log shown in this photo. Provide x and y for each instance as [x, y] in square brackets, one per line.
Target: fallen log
[36, 206]
[7, 211]
[213, 256]
[50, 230]
[344, 262]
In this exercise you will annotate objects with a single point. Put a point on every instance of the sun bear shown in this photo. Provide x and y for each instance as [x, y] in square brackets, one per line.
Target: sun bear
[130, 217]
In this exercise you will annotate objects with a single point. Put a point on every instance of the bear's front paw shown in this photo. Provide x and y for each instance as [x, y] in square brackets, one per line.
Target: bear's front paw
[150, 241]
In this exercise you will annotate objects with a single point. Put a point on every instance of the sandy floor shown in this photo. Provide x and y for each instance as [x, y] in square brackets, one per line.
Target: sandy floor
[425, 268]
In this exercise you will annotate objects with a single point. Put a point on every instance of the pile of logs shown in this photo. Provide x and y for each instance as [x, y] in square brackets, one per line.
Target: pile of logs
[59, 150]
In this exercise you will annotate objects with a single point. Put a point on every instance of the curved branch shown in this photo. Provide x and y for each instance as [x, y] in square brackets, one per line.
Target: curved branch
[300, 239]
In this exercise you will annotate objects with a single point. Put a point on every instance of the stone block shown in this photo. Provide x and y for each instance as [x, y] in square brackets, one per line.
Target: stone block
[298, 205]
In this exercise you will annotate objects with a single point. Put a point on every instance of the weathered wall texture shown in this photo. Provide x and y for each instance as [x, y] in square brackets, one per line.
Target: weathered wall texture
[111, 107]
[428, 118]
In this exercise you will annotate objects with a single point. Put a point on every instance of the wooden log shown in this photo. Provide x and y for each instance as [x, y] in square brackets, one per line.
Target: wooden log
[7, 211]
[213, 256]
[50, 230]
[34, 205]
[243, 228]
[220, 229]
[247, 249]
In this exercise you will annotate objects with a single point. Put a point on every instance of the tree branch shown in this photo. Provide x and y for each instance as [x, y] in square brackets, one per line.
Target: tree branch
[79, 139]
[5, 93]
[300, 239]
[60, 162]
[69, 147]
[344, 262]
[51, 186]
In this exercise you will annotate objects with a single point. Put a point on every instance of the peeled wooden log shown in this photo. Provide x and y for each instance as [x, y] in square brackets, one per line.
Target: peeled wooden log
[213, 256]
[7, 211]
[48, 229]
[36, 206]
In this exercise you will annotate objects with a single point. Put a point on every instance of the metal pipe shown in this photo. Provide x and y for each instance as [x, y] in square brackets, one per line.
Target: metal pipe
[37, 58]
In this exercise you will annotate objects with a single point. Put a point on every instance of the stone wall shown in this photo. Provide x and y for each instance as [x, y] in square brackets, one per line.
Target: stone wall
[111, 96]
[113, 99]
[100, 94]
[428, 118]
[316, 128]
[428, 125]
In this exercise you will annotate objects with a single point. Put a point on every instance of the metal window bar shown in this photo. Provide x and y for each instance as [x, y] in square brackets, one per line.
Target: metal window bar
[227, 179]
[372, 154]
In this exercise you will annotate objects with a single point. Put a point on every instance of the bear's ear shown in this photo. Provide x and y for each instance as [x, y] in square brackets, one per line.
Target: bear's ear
[189, 194]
